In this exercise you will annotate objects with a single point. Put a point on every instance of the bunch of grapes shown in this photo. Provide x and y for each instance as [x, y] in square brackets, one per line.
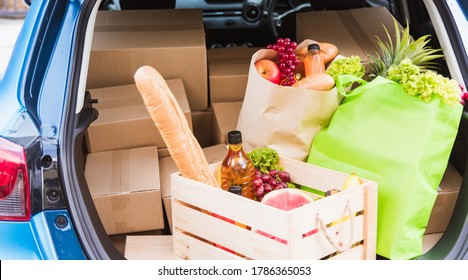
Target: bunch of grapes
[267, 182]
[287, 59]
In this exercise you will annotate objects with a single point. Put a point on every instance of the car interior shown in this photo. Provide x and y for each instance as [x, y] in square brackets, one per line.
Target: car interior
[249, 25]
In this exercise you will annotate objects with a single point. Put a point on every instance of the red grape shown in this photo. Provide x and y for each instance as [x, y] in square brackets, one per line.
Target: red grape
[287, 59]
[284, 176]
[266, 178]
[267, 188]
[257, 182]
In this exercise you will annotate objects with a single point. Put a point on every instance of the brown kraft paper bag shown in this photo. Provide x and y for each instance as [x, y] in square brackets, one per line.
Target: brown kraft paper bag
[283, 118]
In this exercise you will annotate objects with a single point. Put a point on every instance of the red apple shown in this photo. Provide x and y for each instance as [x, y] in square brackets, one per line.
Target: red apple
[268, 70]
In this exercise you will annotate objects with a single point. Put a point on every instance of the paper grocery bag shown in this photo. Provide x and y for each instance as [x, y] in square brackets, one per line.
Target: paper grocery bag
[281, 117]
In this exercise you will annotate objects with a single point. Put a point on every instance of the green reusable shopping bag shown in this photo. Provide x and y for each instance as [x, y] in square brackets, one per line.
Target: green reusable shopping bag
[403, 143]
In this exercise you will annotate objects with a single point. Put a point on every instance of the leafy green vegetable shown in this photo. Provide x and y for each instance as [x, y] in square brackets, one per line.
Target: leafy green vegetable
[346, 65]
[265, 159]
[425, 84]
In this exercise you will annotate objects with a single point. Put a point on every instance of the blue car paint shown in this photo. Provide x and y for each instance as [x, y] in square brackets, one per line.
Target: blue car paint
[31, 106]
[40, 239]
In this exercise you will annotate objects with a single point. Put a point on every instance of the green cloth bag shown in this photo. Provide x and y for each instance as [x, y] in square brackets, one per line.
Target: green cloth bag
[399, 141]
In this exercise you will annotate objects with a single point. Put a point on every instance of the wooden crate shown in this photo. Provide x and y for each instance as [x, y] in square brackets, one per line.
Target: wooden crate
[348, 215]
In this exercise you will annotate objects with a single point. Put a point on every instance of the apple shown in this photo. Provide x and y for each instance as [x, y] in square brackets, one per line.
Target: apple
[268, 70]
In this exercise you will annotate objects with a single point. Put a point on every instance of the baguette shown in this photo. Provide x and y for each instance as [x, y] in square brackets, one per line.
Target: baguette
[173, 127]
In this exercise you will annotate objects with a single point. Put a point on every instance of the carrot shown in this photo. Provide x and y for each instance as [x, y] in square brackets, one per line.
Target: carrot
[317, 81]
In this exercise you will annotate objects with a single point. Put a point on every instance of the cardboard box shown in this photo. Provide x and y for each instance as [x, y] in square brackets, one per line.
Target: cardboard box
[352, 31]
[171, 41]
[225, 116]
[447, 195]
[167, 167]
[203, 127]
[228, 70]
[126, 190]
[299, 233]
[150, 247]
[124, 121]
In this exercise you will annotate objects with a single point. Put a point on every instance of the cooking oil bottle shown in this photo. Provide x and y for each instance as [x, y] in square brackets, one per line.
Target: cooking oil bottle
[237, 168]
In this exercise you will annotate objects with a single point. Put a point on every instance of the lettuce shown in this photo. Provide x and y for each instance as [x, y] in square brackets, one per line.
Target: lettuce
[265, 159]
[346, 65]
[425, 84]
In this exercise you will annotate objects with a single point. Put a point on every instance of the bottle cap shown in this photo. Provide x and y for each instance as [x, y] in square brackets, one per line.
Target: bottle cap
[234, 137]
[235, 190]
[313, 47]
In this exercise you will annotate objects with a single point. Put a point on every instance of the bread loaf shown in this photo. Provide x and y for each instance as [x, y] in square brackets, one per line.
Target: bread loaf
[173, 127]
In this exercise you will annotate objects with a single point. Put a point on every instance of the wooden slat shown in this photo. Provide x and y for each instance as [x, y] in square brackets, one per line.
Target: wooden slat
[189, 248]
[370, 225]
[355, 253]
[246, 242]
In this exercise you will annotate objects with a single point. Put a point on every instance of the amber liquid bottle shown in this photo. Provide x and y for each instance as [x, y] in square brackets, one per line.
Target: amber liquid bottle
[237, 169]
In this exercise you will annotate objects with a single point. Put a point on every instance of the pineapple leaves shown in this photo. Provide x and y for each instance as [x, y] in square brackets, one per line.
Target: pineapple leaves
[403, 46]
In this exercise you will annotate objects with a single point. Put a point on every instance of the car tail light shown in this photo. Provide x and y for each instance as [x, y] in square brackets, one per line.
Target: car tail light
[14, 186]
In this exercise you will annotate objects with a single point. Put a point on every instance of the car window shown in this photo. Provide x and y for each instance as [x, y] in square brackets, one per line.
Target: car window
[12, 14]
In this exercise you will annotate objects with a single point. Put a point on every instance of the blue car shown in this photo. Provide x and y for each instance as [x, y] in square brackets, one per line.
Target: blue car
[46, 209]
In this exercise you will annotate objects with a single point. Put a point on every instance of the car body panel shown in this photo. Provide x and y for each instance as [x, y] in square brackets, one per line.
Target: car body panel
[40, 238]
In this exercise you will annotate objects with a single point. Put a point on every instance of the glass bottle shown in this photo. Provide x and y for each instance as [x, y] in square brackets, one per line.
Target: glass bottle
[237, 168]
[313, 62]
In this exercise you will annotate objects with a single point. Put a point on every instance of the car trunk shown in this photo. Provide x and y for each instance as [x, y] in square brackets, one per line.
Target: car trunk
[107, 220]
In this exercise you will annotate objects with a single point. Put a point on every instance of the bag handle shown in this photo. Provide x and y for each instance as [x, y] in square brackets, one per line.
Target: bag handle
[345, 80]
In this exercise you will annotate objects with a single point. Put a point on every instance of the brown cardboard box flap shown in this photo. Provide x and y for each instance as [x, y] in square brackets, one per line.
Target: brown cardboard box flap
[125, 95]
[451, 181]
[228, 72]
[352, 31]
[167, 166]
[105, 40]
[168, 17]
[233, 53]
[227, 67]
[124, 213]
[123, 171]
[225, 116]
[444, 204]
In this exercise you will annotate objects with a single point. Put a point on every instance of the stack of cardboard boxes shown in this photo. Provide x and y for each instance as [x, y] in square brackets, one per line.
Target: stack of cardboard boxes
[128, 165]
[124, 145]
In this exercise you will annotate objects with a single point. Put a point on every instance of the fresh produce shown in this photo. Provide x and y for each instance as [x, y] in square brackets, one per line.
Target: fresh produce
[328, 51]
[318, 81]
[268, 70]
[269, 175]
[346, 65]
[405, 47]
[351, 182]
[287, 61]
[285, 199]
[425, 84]
[173, 126]
[264, 159]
